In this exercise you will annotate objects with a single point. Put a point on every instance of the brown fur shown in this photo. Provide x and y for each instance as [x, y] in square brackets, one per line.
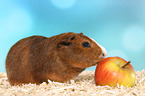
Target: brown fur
[59, 58]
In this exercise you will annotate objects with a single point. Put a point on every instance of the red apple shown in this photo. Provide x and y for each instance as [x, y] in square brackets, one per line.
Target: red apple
[113, 70]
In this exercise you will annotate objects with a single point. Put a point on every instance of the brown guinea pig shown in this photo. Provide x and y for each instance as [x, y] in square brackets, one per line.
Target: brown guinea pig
[59, 58]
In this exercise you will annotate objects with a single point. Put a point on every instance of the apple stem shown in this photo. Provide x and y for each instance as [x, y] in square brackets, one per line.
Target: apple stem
[126, 64]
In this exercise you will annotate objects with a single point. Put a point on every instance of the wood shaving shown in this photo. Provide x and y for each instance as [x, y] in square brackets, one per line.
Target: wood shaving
[83, 85]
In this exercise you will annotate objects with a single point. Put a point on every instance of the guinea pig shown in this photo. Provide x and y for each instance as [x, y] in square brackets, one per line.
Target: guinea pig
[59, 58]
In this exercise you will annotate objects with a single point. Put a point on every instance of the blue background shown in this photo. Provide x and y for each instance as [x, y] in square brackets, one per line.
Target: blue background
[118, 25]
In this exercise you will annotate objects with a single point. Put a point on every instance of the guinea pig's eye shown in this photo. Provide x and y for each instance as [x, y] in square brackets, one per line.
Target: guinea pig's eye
[86, 44]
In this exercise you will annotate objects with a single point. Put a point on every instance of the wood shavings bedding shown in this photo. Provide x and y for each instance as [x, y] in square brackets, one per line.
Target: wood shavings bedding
[83, 85]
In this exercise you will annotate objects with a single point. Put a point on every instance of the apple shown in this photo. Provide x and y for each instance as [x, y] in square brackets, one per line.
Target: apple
[113, 70]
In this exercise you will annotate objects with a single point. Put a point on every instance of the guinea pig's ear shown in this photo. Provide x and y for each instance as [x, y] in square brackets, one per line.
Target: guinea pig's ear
[66, 41]
[81, 33]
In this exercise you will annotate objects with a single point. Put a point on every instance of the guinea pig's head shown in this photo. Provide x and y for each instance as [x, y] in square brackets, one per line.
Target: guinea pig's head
[79, 51]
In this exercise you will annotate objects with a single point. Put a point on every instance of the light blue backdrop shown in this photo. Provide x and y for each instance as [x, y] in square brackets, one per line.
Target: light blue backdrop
[118, 25]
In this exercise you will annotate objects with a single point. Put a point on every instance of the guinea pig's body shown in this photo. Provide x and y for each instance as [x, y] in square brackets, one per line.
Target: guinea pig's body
[59, 58]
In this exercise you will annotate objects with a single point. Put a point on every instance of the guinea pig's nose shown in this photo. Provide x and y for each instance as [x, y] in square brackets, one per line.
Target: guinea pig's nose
[104, 52]
[102, 56]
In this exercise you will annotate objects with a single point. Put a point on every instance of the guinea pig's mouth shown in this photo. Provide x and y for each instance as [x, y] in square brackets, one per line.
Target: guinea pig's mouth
[95, 64]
